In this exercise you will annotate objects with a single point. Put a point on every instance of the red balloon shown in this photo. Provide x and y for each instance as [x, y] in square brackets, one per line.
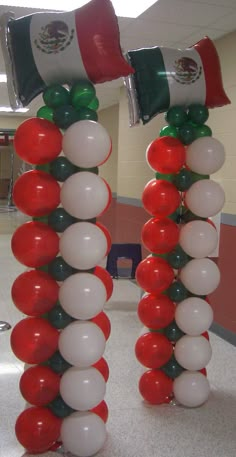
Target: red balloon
[34, 340]
[101, 410]
[37, 429]
[155, 387]
[160, 235]
[38, 141]
[203, 371]
[109, 198]
[35, 244]
[160, 198]
[107, 235]
[36, 193]
[154, 275]
[103, 368]
[102, 321]
[211, 223]
[153, 350]
[34, 292]
[166, 155]
[155, 311]
[39, 385]
[106, 278]
[206, 335]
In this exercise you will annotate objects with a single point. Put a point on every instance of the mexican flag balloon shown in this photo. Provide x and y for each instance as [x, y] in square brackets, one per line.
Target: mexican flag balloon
[61, 48]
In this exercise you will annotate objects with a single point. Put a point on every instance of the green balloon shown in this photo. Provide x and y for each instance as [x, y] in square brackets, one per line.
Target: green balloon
[43, 268]
[173, 332]
[167, 177]
[176, 216]
[60, 408]
[87, 114]
[188, 216]
[186, 133]
[45, 112]
[59, 269]
[197, 177]
[183, 180]
[61, 168]
[59, 220]
[56, 95]
[177, 258]
[202, 130]
[94, 104]
[198, 113]
[176, 116]
[82, 93]
[160, 330]
[169, 130]
[162, 256]
[57, 363]
[64, 116]
[91, 170]
[43, 167]
[172, 368]
[59, 318]
[177, 292]
[43, 219]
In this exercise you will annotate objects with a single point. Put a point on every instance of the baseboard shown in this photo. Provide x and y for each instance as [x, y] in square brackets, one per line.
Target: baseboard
[224, 333]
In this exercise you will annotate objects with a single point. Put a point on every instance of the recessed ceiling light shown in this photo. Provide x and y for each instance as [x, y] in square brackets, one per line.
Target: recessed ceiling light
[7, 109]
[3, 78]
[124, 8]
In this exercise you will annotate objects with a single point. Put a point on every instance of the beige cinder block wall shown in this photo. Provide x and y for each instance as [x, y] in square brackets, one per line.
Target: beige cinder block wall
[223, 121]
[10, 122]
[133, 171]
[109, 118]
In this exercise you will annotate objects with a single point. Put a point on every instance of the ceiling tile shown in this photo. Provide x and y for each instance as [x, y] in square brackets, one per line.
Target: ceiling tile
[185, 12]
[228, 3]
[159, 30]
[197, 36]
[226, 23]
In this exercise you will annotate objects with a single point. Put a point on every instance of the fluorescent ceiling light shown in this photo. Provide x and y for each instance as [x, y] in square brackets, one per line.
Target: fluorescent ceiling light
[7, 109]
[3, 78]
[124, 8]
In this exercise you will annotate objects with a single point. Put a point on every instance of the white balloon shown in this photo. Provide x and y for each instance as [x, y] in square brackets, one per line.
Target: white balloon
[191, 389]
[198, 239]
[82, 343]
[86, 144]
[205, 155]
[82, 389]
[200, 276]
[193, 352]
[205, 198]
[83, 245]
[82, 295]
[194, 316]
[83, 434]
[84, 195]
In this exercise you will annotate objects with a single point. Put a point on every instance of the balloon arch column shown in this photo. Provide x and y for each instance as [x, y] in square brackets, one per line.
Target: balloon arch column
[178, 275]
[63, 339]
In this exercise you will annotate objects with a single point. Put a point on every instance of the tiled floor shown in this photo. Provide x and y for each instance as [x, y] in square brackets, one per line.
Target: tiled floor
[134, 428]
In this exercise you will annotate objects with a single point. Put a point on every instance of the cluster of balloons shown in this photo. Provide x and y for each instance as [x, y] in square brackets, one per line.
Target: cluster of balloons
[64, 290]
[178, 275]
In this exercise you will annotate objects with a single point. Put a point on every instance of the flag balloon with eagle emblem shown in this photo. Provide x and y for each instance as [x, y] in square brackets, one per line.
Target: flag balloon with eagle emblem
[46, 48]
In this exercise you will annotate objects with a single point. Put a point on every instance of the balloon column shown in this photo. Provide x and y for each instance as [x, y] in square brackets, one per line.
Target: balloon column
[64, 290]
[178, 275]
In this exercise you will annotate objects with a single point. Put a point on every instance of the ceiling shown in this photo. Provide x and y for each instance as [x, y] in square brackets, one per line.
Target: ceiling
[171, 23]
